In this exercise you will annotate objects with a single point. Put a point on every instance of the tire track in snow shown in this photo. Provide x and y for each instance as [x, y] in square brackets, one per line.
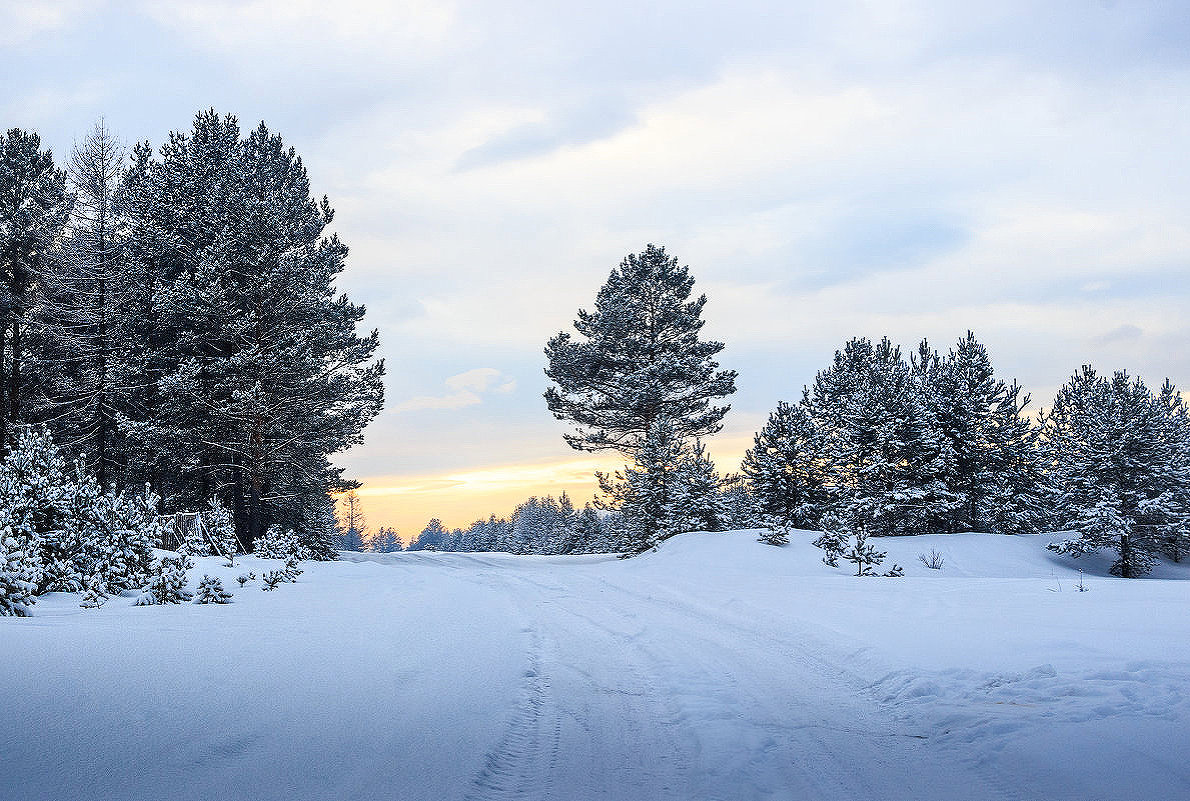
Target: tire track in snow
[522, 764]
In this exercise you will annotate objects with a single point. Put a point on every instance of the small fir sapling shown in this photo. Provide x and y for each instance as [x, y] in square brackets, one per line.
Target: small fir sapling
[831, 540]
[95, 594]
[168, 584]
[17, 588]
[291, 570]
[272, 579]
[860, 552]
[210, 591]
[245, 579]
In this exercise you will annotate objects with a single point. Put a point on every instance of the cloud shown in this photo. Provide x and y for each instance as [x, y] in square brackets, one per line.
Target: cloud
[22, 22]
[467, 389]
[1123, 333]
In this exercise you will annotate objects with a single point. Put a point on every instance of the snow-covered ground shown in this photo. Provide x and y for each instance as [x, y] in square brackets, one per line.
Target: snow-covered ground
[715, 668]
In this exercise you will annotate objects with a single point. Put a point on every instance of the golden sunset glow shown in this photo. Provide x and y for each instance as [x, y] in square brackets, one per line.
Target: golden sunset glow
[460, 498]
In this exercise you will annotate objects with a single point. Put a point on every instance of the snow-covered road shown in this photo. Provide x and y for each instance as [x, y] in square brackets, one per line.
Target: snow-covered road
[716, 668]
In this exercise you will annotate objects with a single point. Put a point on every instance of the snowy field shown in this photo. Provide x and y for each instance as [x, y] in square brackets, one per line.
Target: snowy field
[715, 668]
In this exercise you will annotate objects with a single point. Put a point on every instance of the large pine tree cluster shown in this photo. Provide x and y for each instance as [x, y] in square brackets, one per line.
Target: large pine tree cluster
[884, 445]
[173, 319]
[1118, 459]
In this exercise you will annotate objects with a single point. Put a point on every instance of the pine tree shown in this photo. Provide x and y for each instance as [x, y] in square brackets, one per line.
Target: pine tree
[987, 451]
[430, 538]
[386, 540]
[645, 493]
[785, 473]
[880, 442]
[34, 208]
[79, 386]
[210, 591]
[33, 497]
[277, 543]
[252, 371]
[220, 529]
[696, 503]
[17, 572]
[95, 594]
[353, 526]
[640, 359]
[1119, 479]
[168, 583]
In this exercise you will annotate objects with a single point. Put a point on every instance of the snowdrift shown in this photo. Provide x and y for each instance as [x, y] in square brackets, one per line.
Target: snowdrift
[716, 667]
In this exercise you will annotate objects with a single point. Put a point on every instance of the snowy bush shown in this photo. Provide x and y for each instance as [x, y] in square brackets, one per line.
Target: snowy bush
[210, 591]
[277, 543]
[95, 594]
[16, 576]
[291, 570]
[933, 561]
[220, 528]
[168, 584]
[272, 579]
[245, 579]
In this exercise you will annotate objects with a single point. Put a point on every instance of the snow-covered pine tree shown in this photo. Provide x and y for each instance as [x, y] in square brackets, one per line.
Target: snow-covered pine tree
[644, 492]
[96, 592]
[741, 505]
[879, 441]
[116, 538]
[34, 208]
[639, 359]
[80, 378]
[1119, 480]
[987, 445]
[168, 583]
[292, 569]
[256, 371]
[210, 591]
[429, 538]
[588, 532]
[386, 540]
[697, 504]
[785, 473]
[220, 529]
[277, 543]
[17, 570]
[33, 497]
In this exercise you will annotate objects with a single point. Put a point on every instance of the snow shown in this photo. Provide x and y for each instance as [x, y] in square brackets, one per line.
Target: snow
[713, 668]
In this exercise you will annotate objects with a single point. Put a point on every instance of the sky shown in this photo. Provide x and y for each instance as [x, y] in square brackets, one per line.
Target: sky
[826, 170]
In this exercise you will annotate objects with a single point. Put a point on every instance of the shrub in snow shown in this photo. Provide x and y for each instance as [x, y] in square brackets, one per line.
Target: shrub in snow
[95, 594]
[220, 528]
[859, 550]
[210, 591]
[775, 532]
[168, 584]
[16, 576]
[291, 570]
[62, 575]
[33, 497]
[933, 561]
[277, 543]
[272, 579]
[245, 579]
[831, 541]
